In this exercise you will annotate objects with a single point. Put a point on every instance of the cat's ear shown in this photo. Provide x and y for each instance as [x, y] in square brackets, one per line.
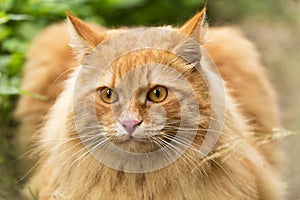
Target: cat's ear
[195, 27]
[83, 38]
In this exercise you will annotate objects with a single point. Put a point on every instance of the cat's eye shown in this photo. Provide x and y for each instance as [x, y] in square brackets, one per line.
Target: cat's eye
[107, 95]
[157, 94]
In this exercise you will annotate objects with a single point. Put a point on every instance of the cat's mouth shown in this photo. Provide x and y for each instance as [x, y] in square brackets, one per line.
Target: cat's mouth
[129, 139]
[136, 144]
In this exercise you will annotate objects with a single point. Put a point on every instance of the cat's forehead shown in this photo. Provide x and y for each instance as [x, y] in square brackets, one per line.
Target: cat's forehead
[134, 72]
[143, 56]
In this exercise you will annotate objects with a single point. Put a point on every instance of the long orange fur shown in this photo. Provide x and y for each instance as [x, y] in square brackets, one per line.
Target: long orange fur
[247, 172]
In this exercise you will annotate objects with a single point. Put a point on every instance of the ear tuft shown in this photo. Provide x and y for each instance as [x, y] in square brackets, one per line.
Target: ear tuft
[196, 27]
[83, 38]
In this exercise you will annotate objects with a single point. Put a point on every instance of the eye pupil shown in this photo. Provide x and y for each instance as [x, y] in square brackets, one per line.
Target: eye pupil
[157, 93]
[108, 93]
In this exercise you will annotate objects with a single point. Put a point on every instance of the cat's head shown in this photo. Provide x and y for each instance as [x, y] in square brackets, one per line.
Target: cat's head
[140, 90]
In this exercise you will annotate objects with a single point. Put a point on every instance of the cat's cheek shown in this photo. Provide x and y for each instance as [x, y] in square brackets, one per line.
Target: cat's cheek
[157, 115]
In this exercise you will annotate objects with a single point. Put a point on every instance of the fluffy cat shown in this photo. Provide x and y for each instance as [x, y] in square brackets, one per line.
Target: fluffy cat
[145, 100]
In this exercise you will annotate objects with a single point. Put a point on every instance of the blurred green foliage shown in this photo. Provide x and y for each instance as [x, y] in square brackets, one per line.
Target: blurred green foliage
[21, 20]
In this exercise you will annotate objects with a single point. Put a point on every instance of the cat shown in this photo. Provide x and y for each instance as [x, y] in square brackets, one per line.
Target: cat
[141, 113]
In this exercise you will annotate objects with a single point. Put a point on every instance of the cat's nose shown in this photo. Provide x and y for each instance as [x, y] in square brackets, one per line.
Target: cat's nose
[130, 125]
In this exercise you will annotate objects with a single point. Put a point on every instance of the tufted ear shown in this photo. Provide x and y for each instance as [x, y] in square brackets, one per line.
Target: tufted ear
[190, 49]
[195, 27]
[83, 38]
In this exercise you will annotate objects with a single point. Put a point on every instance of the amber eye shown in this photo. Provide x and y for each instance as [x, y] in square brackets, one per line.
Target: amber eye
[157, 94]
[108, 95]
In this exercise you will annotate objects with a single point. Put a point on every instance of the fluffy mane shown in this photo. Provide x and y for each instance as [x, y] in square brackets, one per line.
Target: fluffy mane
[203, 114]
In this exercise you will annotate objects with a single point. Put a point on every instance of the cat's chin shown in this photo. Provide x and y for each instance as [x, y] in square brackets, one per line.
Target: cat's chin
[135, 144]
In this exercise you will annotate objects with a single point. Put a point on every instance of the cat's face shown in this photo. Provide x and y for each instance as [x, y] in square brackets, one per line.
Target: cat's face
[145, 98]
[141, 98]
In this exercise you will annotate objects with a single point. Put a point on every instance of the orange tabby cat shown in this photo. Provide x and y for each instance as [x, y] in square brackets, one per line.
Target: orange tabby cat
[144, 114]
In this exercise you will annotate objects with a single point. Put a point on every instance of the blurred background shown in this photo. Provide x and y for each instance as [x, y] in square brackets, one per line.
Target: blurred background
[273, 25]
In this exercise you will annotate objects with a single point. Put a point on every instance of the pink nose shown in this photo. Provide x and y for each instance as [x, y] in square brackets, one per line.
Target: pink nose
[130, 125]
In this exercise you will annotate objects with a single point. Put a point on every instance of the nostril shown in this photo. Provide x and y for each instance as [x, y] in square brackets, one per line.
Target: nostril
[130, 125]
[127, 123]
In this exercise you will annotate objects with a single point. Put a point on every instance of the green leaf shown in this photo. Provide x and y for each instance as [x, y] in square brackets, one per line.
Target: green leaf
[20, 17]
[14, 45]
[9, 90]
[15, 63]
[6, 4]
[31, 27]
[11, 64]
[8, 86]
[5, 31]
[3, 18]
[5, 60]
